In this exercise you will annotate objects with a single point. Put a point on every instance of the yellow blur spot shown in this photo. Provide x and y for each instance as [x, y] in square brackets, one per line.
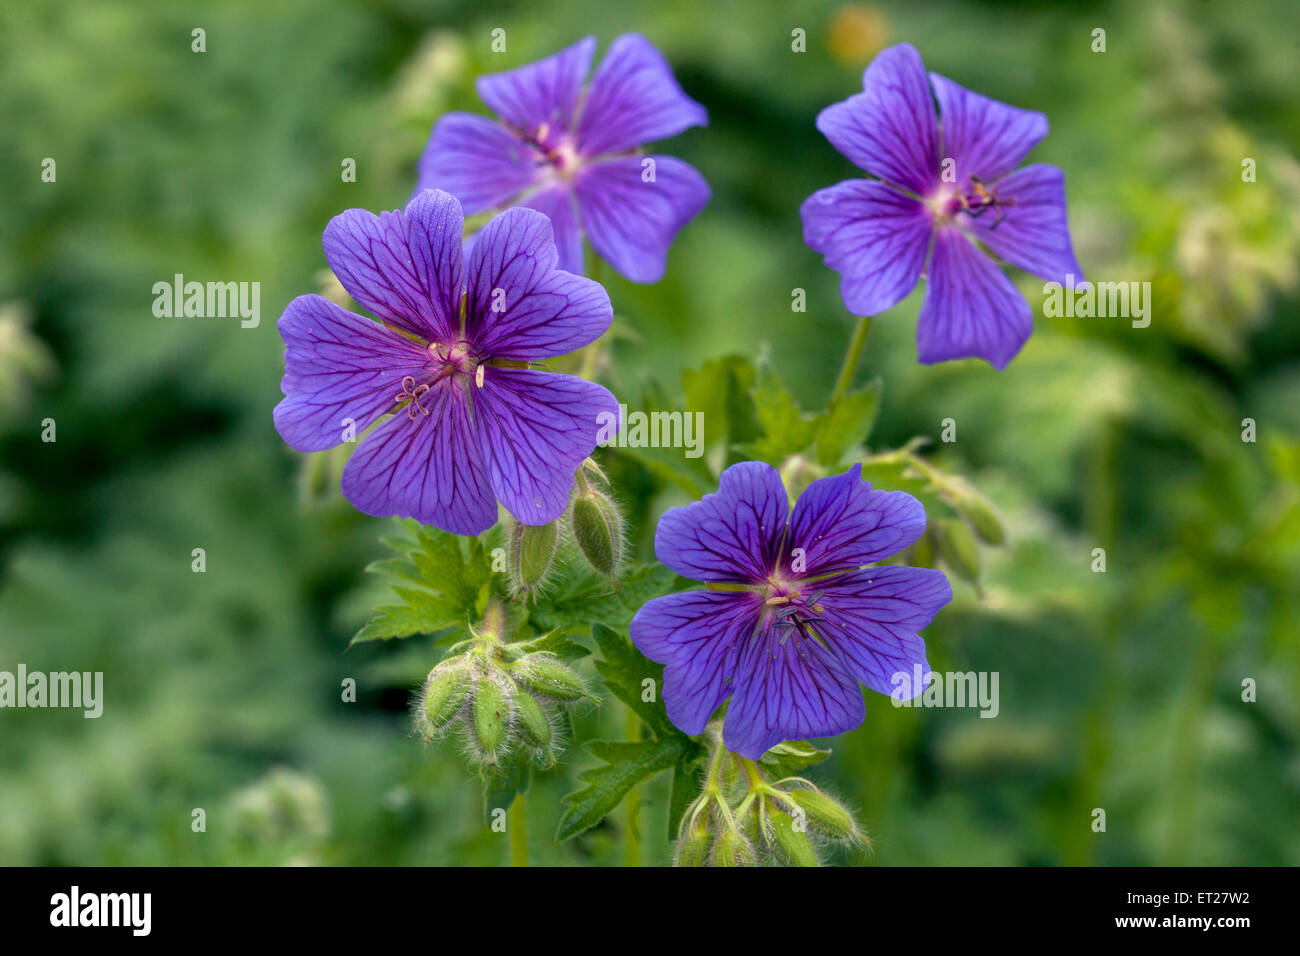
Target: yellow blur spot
[857, 33]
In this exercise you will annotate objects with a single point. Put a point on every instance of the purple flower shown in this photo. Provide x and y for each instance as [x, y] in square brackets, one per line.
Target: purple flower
[573, 153]
[793, 619]
[944, 182]
[451, 357]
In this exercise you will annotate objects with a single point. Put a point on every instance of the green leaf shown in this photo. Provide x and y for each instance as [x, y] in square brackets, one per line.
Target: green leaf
[671, 465]
[896, 476]
[501, 784]
[578, 596]
[622, 766]
[847, 423]
[686, 787]
[721, 390]
[787, 430]
[791, 758]
[623, 669]
[442, 581]
[552, 642]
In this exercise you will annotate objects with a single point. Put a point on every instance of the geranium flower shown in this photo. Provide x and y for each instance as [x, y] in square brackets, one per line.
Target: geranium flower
[574, 153]
[793, 619]
[944, 182]
[450, 358]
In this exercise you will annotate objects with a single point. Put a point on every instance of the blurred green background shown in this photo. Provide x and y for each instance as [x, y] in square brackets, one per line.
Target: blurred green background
[1120, 690]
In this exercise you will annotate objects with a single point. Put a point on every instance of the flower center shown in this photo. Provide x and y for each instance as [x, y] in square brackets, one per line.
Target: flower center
[450, 360]
[974, 200]
[792, 610]
[556, 149]
[563, 160]
[446, 363]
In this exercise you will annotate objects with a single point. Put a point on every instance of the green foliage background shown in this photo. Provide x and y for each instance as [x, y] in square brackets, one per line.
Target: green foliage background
[1119, 690]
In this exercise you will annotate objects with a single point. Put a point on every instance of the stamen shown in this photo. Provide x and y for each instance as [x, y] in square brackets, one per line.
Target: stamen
[411, 393]
[984, 199]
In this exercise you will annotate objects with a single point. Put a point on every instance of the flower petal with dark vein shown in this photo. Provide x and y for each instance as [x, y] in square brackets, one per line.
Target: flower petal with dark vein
[942, 183]
[574, 152]
[795, 616]
[450, 359]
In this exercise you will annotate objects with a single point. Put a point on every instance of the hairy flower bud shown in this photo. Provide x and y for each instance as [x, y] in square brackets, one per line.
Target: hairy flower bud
[826, 815]
[445, 691]
[986, 521]
[979, 511]
[597, 528]
[694, 843]
[531, 554]
[548, 676]
[534, 727]
[793, 842]
[732, 849]
[492, 710]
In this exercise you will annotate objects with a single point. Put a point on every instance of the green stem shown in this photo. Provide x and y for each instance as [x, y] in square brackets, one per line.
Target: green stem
[850, 366]
[518, 826]
[632, 826]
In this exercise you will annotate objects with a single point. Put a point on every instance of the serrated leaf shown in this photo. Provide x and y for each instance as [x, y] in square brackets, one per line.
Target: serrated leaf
[721, 390]
[624, 669]
[553, 642]
[791, 758]
[671, 465]
[394, 620]
[623, 766]
[787, 430]
[442, 581]
[847, 423]
[578, 596]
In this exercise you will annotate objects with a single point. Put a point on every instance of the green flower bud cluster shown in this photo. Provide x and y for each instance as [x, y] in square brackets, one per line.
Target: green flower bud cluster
[742, 819]
[501, 699]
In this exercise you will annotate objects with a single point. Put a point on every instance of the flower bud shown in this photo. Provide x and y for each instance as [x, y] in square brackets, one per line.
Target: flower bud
[548, 676]
[694, 843]
[979, 511]
[531, 554]
[598, 529]
[491, 712]
[958, 548]
[732, 849]
[827, 815]
[444, 694]
[794, 843]
[534, 728]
